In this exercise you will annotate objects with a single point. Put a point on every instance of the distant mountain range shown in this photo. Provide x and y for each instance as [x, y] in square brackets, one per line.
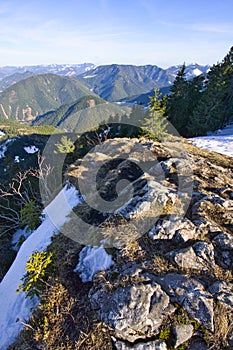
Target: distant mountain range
[31, 91]
[10, 74]
[38, 94]
[60, 69]
[118, 82]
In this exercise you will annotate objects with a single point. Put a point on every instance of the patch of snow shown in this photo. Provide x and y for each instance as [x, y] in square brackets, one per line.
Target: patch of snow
[31, 149]
[197, 72]
[90, 68]
[15, 307]
[2, 134]
[3, 147]
[90, 76]
[220, 141]
[107, 130]
[92, 260]
[16, 160]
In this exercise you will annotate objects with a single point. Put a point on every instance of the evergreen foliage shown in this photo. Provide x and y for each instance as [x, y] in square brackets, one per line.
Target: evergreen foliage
[204, 103]
[38, 271]
[31, 215]
[155, 125]
[216, 103]
[65, 146]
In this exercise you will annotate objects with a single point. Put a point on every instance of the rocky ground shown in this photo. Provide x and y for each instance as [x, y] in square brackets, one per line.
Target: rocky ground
[171, 285]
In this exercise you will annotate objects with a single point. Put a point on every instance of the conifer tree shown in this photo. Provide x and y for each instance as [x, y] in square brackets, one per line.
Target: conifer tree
[155, 125]
[177, 102]
[216, 103]
[38, 269]
[31, 215]
[65, 146]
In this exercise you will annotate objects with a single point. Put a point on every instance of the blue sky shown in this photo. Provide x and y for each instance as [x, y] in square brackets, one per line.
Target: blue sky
[161, 32]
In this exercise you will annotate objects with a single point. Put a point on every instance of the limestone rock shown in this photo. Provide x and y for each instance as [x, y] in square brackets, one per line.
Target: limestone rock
[200, 256]
[154, 192]
[172, 228]
[224, 255]
[224, 241]
[151, 345]
[182, 333]
[191, 295]
[223, 292]
[134, 312]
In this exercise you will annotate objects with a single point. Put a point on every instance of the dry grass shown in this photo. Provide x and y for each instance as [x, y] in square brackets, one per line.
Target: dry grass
[64, 319]
[213, 157]
[223, 329]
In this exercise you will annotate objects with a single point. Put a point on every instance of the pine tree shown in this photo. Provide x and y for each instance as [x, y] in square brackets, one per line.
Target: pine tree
[31, 215]
[177, 103]
[38, 269]
[65, 146]
[155, 125]
[216, 103]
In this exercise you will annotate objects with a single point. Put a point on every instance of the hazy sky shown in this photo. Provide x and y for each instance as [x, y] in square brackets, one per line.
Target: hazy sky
[161, 32]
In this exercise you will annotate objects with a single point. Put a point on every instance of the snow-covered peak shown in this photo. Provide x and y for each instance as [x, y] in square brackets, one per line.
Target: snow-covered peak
[197, 72]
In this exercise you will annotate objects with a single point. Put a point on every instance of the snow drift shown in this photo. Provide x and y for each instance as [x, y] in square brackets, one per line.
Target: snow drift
[16, 308]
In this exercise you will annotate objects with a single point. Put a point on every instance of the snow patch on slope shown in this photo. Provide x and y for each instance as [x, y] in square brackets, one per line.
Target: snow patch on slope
[31, 149]
[2, 134]
[15, 308]
[221, 141]
[3, 147]
[92, 260]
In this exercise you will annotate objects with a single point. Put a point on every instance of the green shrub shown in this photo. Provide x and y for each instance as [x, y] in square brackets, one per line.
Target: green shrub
[38, 269]
[65, 146]
[31, 216]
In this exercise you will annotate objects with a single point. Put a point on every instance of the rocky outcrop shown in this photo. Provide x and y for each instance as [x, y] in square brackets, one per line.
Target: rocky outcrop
[192, 296]
[199, 256]
[172, 249]
[223, 292]
[135, 311]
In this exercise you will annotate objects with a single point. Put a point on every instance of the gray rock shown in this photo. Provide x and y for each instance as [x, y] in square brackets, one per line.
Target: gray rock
[223, 292]
[139, 205]
[224, 241]
[191, 295]
[151, 345]
[182, 333]
[200, 256]
[224, 256]
[133, 312]
[172, 228]
[198, 344]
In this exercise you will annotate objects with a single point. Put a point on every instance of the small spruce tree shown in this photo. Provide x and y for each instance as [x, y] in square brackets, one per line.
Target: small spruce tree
[65, 146]
[31, 215]
[155, 125]
[38, 269]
